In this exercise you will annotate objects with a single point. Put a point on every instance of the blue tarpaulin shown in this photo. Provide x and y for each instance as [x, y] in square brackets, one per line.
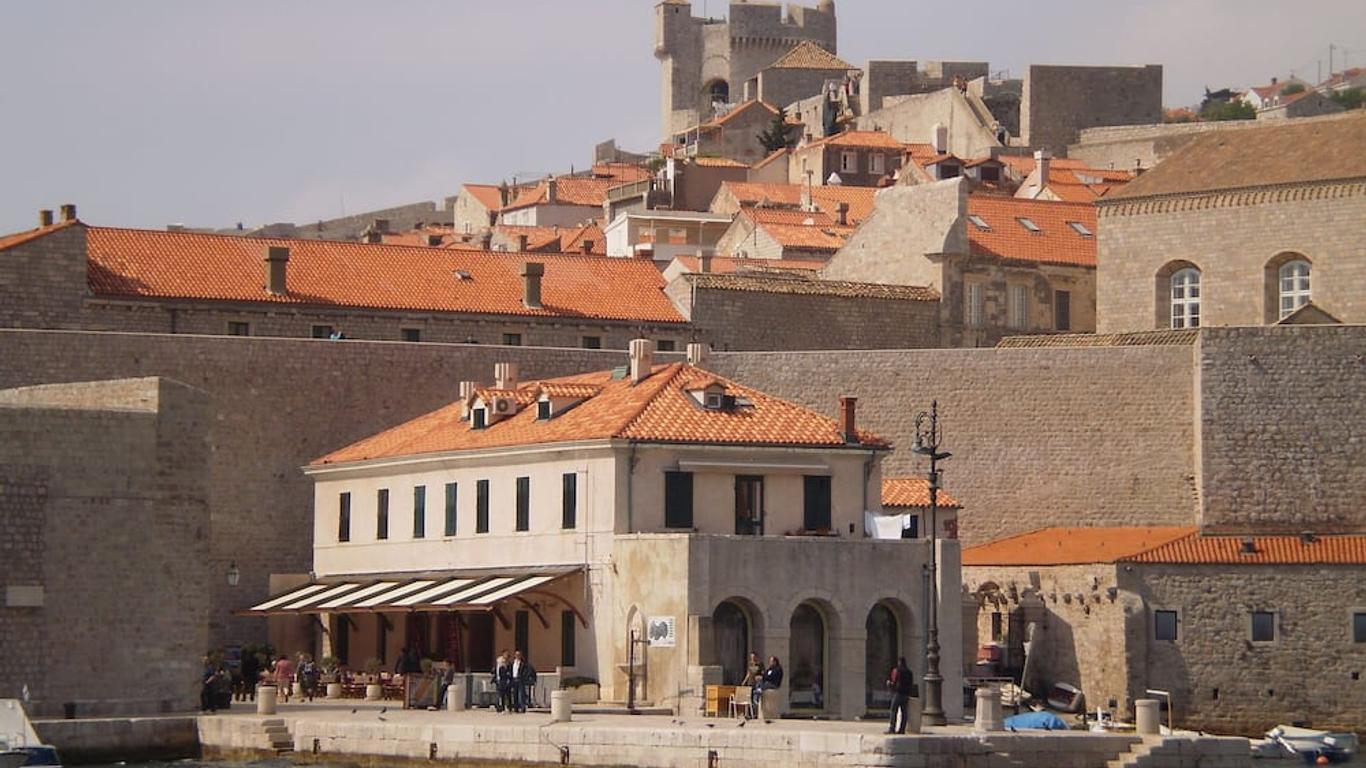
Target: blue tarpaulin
[1036, 721]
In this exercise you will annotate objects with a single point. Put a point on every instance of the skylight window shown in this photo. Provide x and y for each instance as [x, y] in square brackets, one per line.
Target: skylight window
[1029, 224]
[461, 274]
[978, 222]
[1080, 229]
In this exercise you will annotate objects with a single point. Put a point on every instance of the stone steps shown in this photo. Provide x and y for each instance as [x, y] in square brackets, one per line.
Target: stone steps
[277, 734]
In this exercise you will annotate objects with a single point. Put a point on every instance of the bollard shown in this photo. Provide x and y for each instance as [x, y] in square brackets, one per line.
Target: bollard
[913, 715]
[266, 698]
[455, 696]
[334, 690]
[561, 706]
[988, 710]
[768, 704]
[1147, 717]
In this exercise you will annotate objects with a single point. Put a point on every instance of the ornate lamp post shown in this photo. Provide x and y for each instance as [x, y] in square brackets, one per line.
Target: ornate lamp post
[927, 441]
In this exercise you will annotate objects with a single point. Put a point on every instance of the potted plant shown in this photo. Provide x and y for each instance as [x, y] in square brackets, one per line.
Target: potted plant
[582, 690]
[373, 690]
[330, 677]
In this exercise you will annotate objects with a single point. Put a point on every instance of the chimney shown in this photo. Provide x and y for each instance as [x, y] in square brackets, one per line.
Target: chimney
[941, 138]
[374, 236]
[45, 218]
[1274, 81]
[1041, 159]
[847, 422]
[521, 243]
[433, 240]
[586, 246]
[68, 212]
[806, 196]
[485, 240]
[380, 225]
[842, 214]
[466, 392]
[703, 262]
[504, 375]
[642, 359]
[277, 259]
[551, 191]
[697, 353]
[532, 272]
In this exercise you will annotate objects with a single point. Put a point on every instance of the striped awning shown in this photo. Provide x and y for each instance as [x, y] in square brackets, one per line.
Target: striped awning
[442, 592]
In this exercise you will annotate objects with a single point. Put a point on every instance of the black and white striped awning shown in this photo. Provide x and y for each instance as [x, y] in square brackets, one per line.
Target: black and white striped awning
[441, 592]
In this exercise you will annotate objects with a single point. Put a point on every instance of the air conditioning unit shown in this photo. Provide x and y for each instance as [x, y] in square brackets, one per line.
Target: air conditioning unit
[504, 406]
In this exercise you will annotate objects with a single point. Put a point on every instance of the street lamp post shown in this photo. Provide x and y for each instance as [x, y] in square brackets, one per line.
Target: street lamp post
[927, 441]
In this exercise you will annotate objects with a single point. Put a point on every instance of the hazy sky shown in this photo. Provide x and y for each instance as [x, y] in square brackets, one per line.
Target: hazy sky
[149, 112]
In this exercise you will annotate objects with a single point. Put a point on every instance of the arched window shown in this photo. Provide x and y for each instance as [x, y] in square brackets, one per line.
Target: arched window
[718, 92]
[1185, 298]
[1292, 286]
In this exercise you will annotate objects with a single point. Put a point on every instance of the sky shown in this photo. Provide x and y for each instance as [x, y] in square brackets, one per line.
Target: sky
[212, 112]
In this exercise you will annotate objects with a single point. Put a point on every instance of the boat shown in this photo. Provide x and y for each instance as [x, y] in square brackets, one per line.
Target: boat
[1313, 746]
[13, 758]
[1065, 698]
[33, 756]
[19, 743]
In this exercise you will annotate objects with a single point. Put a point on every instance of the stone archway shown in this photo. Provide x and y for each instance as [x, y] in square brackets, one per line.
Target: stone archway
[882, 647]
[808, 658]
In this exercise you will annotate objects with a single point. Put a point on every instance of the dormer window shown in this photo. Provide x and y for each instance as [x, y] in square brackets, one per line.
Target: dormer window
[714, 400]
[543, 410]
[479, 418]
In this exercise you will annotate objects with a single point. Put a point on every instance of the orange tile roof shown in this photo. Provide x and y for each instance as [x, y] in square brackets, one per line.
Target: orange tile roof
[787, 216]
[808, 55]
[571, 240]
[796, 282]
[729, 265]
[620, 172]
[1024, 164]
[1072, 546]
[808, 237]
[192, 266]
[1056, 242]
[860, 139]
[913, 492]
[19, 238]
[539, 239]
[488, 195]
[657, 410]
[1270, 550]
[740, 109]
[718, 162]
[826, 198]
[569, 190]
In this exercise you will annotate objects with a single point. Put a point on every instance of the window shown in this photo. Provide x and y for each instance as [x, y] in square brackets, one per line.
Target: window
[382, 514]
[816, 498]
[523, 503]
[1359, 627]
[323, 331]
[521, 636]
[848, 162]
[1029, 224]
[990, 173]
[749, 505]
[1263, 627]
[678, 500]
[566, 638]
[569, 503]
[512, 339]
[450, 508]
[592, 342]
[877, 163]
[1062, 310]
[1080, 229]
[410, 334]
[1185, 293]
[950, 170]
[911, 529]
[543, 409]
[996, 626]
[420, 512]
[239, 328]
[1164, 625]
[979, 222]
[1294, 286]
[719, 91]
[344, 517]
[974, 305]
[667, 345]
[1018, 298]
[479, 418]
[481, 506]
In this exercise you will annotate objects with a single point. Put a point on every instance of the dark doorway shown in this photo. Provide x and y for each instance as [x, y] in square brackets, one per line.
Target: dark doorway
[479, 651]
[807, 652]
[730, 633]
[749, 505]
[882, 651]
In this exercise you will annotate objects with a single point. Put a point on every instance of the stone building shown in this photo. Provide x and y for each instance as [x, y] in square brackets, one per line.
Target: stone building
[733, 136]
[1004, 266]
[851, 158]
[828, 199]
[1244, 632]
[477, 207]
[710, 61]
[664, 235]
[909, 497]
[566, 517]
[1303, 104]
[1058, 101]
[805, 70]
[69, 275]
[1239, 228]
[784, 233]
[104, 539]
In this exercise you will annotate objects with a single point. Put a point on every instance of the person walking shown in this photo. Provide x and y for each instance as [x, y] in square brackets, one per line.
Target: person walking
[518, 674]
[251, 675]
[502, 681]
[902, 685]
[208, 681]
[284, 676]
[526, 682]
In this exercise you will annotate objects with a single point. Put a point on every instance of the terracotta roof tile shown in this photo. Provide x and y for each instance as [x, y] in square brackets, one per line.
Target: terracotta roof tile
[808, 237]
[1072, 546]
[1292, 152]
[19, 238]
[182, 265]
[1056, 242]
[1268, 550]
[741, 109]
[727, 265]
[913, 492]
[572, 239]
[808, 55]
[860, 139]
[656, 410]
[799, 284]
[1167, 338]
[488, 195]
[569, 190]
[619, 172]
[717, 162]
[826, 198]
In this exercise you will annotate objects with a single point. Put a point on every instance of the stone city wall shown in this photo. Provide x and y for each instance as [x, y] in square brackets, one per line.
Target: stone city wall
[1058, 101]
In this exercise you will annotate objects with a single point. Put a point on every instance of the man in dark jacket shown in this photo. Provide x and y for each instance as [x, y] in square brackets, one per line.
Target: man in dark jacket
[771, 680]
[902, 686]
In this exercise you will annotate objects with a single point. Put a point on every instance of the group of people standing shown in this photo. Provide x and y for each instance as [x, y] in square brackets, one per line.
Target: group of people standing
[760, 678]
[514, 678]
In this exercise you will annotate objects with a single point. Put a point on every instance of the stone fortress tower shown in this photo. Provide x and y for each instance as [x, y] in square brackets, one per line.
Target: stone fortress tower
[711, 60]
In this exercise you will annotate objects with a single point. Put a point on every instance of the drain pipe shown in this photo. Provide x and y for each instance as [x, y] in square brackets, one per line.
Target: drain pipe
[867, 477]
[630, 489]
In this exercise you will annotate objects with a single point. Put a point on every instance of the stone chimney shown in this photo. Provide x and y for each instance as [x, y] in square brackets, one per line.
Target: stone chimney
[1041, 162]
[842, 214]
[704, 262]
[642, 354]
[697, 353]
[504, 375]
[277, 261]
[806, 196]
[486, 240]
[521, 243]
[551, 191]
[374, 236]
[466, 392]
[45, 218]
[68, 212]
[940, 138]
[532, 272]
[848, 427]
